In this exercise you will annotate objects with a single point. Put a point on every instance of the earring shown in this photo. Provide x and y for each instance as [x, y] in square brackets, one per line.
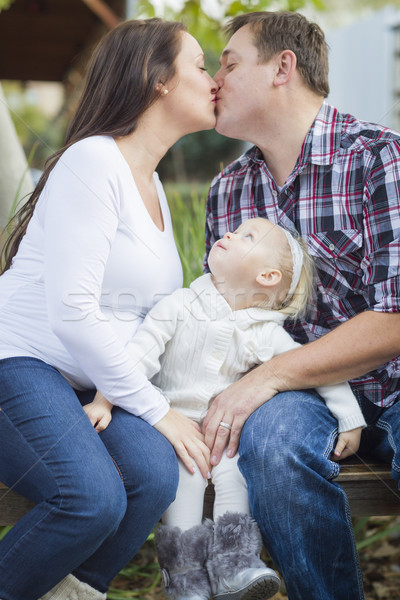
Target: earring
[165, 92]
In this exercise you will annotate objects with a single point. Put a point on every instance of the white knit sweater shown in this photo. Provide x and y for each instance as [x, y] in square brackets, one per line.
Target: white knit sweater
[192, 346]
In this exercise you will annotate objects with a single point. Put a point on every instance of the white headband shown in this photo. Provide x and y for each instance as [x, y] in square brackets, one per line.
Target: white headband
[297, 259]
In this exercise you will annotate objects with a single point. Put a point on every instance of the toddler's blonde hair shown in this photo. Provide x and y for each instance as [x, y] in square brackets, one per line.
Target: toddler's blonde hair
[296, 306]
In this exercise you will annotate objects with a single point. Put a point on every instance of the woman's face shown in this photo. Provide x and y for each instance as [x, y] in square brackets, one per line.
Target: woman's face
[191, 93]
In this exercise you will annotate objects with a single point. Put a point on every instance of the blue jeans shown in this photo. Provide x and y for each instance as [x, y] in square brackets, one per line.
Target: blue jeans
[304, 516]
[97, 496]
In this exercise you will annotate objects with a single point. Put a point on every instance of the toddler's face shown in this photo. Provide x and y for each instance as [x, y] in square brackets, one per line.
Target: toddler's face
[239, 257]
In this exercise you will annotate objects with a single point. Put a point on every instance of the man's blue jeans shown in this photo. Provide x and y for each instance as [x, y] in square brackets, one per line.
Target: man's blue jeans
[97, 496]
[304, 516]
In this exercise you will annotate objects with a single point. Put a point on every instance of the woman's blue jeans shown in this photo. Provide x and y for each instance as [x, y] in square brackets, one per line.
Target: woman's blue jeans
[97, 496]
[304, 516]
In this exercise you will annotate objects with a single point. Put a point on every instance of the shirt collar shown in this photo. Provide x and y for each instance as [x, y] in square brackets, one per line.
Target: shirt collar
[321, 144]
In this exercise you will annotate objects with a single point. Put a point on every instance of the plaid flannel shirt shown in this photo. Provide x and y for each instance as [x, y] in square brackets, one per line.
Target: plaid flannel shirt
[343, 198]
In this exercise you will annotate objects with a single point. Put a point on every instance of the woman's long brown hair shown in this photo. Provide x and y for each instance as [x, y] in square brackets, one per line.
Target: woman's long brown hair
[122, 82]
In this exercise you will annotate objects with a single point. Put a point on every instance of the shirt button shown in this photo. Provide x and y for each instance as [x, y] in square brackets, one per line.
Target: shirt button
[331, 247]
[274, 193]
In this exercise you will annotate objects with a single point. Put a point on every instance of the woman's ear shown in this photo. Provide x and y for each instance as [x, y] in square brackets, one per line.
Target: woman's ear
[286, 63]
[269, 278]
[161, 89]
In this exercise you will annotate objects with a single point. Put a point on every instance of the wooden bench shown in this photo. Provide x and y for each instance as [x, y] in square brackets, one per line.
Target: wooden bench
[12, 506]
[368, 484]
[369, 487]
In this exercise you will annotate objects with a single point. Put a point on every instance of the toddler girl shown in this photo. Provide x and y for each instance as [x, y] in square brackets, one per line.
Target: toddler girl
[192, 345]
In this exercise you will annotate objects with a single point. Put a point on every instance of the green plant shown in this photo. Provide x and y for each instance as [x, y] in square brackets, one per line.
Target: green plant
[4, 530]
[207, 24]
[33, 126]
[187, 204]
[17, 198]
[4, 4]
[6, 232]
[371, 530]
[141, 578]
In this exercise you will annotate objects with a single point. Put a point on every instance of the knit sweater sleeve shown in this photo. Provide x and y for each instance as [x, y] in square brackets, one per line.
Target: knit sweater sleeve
[160, 325]
[339, 398]
[82, 212]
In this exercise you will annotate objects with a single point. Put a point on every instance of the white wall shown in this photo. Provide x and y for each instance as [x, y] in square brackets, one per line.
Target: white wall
[362, 68]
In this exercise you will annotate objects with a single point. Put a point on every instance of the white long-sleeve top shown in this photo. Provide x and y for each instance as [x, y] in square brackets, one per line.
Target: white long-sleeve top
[192, 346]
[91, 265]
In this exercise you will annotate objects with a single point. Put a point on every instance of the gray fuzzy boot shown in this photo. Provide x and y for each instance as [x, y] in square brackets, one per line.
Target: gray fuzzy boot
[182, 556]
[234, 566]
[70, 588]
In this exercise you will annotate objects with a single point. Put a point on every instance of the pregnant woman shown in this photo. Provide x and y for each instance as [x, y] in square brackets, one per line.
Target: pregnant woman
[91, 252]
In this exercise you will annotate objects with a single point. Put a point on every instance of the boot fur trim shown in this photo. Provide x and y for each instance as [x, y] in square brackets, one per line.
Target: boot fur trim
[237, 545]
[182, 556]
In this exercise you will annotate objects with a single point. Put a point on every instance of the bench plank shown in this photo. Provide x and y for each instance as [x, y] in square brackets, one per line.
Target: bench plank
[13, 506]
[368, 484]
[369, 487]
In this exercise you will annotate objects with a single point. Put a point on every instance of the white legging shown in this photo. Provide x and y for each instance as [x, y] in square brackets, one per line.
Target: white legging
[230, 494]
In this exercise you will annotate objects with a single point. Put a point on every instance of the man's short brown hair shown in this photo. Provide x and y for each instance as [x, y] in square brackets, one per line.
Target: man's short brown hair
[280, 30]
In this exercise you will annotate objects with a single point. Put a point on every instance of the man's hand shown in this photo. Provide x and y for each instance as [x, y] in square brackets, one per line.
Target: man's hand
[233, 407]
[347, 444]
[188, 441]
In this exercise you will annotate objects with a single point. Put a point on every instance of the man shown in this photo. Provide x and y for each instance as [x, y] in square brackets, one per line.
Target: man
[336, 181]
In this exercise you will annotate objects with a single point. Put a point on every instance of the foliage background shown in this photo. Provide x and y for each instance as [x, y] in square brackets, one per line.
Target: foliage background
[196, 157]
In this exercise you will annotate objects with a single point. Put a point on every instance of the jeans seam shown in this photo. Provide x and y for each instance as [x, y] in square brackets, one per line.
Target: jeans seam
[28, 532]
[39, 459]
[354, 547]
[335, 467]
[334, 473]
[118, 469]
[383, 425]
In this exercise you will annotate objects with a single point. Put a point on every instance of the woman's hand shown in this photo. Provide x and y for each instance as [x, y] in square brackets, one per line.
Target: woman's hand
[99, 412]
[233, 407]
[347, 444]
[188, 441]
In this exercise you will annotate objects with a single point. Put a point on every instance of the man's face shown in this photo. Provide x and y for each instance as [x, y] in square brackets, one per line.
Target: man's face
[242, 100]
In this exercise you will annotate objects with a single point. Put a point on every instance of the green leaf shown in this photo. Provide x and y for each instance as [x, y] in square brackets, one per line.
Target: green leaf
[4, 530]
[5, 4]
[378, 536]
[145, 10]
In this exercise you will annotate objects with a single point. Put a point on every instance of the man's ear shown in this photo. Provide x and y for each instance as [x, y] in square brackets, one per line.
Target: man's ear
[286, 63]
[269, 278]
